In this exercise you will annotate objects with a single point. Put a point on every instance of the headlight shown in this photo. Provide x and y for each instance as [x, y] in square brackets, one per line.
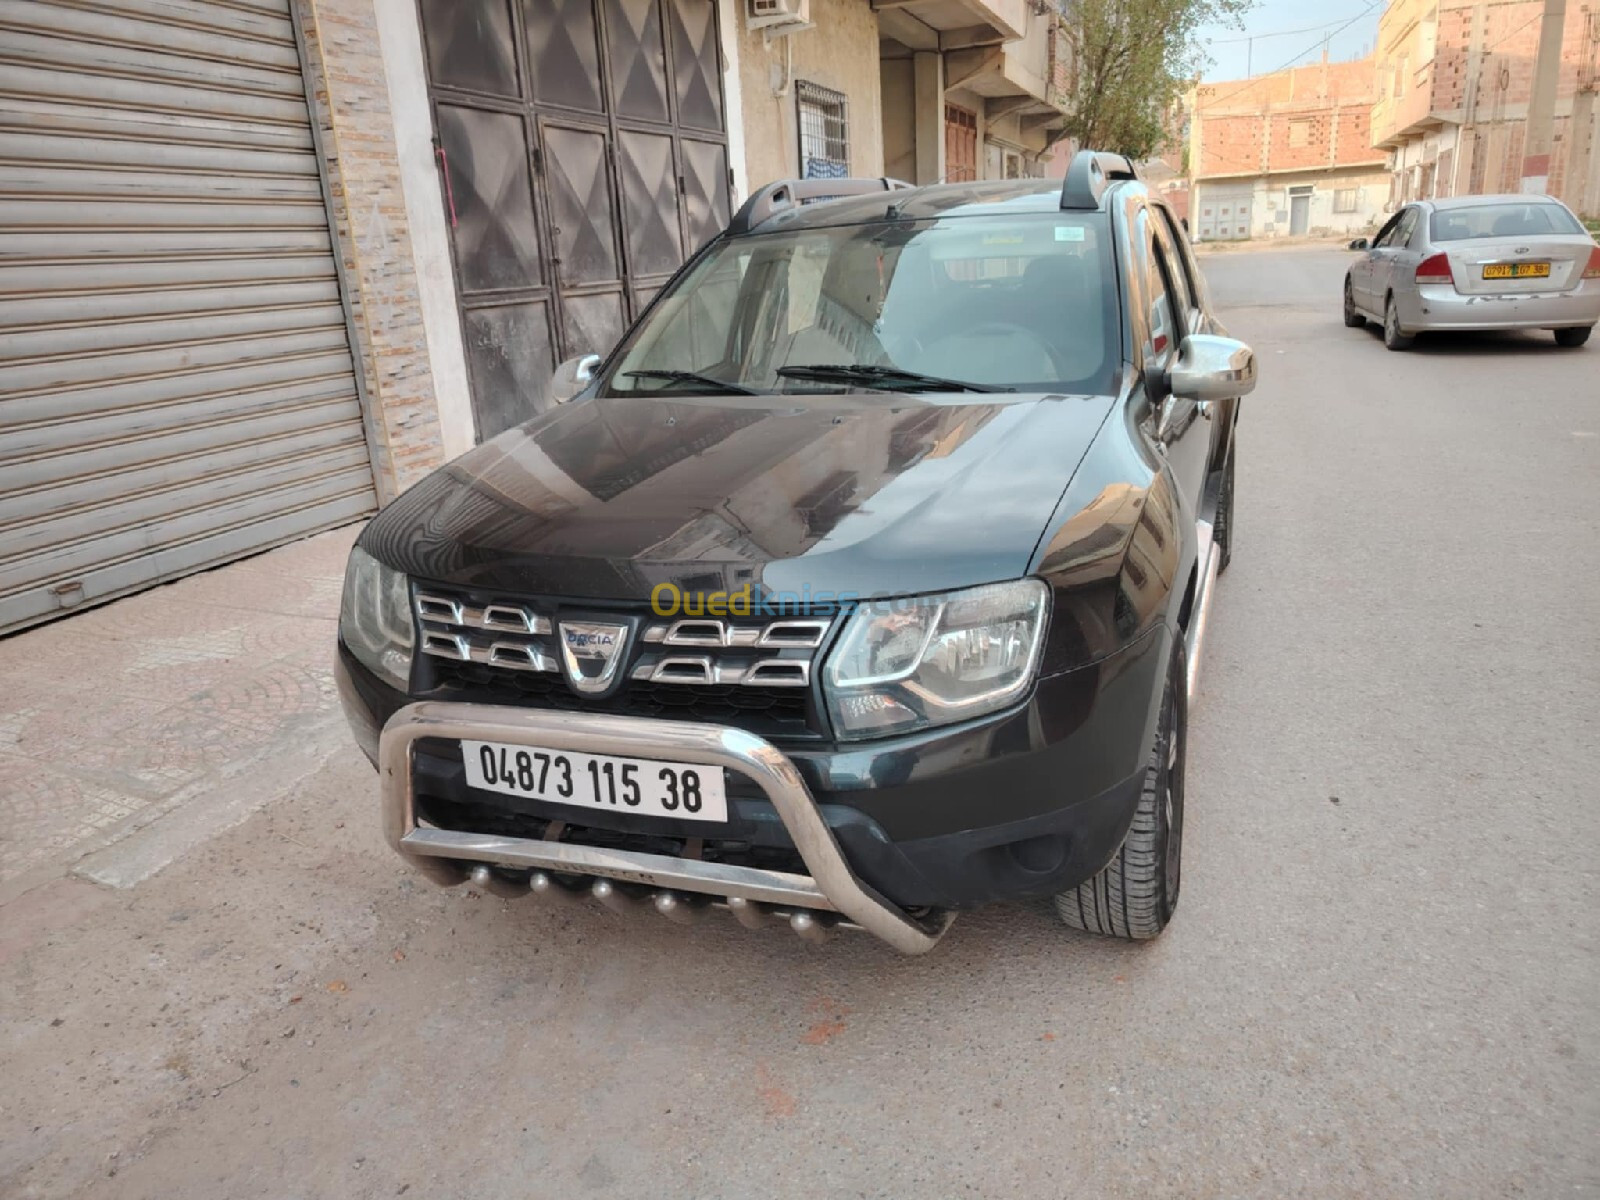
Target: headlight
[375, 618]
[909, 664]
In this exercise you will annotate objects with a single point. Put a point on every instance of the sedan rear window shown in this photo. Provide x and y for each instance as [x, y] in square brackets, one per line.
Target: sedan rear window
[1502, 220]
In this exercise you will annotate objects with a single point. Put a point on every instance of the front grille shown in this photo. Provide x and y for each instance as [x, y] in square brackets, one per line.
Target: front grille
[470, 817]
[766, 710]
[751, 673]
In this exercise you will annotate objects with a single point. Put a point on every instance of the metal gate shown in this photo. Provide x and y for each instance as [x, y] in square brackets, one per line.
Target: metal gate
[585, 157]
[176, 386]
[1224, 213]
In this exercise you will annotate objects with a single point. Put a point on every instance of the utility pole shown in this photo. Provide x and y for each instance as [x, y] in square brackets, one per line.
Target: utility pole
[1542, 108]
[1469, 140]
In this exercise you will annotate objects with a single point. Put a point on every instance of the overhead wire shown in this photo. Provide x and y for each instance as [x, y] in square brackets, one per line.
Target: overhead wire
[1212, 101]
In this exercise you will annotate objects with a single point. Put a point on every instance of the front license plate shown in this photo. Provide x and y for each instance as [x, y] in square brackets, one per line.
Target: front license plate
[687, 791]
[1516, 271]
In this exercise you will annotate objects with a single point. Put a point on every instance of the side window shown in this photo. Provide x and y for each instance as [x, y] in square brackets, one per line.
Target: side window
[1402, 236]
[1188, 271]
[1386, 234]
[1177, 272]
[1164, 330]
[1398, 232]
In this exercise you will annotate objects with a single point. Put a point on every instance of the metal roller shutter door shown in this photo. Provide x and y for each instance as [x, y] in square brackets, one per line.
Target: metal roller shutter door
[1225, 212]
[176, 384]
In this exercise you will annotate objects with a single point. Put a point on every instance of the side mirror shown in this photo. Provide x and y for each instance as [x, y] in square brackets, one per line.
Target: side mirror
[1210, 368]
[1360, 244]
[572, 377]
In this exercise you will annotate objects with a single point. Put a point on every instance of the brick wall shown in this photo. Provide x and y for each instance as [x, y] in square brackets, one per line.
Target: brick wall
[1304, 118]
[1474, 69]
[344, 68]
[1321, 82]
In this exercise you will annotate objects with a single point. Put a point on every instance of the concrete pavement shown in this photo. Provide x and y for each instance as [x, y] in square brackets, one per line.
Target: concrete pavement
[161, 706]
[1381, 980]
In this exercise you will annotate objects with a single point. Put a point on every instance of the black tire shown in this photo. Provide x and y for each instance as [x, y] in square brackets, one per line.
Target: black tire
[1392, 337]
[1352, 316]
[1222, 524]
[1573, 338]
[1134, 896]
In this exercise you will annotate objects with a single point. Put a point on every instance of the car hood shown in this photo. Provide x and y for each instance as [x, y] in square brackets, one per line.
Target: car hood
[865, 493]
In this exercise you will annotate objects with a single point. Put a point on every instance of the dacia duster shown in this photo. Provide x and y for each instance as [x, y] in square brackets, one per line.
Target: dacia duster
[863, 583]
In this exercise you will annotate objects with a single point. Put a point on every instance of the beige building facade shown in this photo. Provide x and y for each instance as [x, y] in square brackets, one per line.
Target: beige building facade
[1285, 154]
[972, 89]
[1455, 80]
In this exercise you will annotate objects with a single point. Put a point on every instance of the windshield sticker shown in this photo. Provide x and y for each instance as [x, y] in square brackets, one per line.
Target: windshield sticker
[1069, 233]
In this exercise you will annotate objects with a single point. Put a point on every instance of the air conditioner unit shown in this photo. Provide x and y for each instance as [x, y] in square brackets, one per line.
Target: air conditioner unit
[778, 16]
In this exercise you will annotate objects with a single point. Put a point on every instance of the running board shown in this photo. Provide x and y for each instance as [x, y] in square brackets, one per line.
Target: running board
[1194, 636]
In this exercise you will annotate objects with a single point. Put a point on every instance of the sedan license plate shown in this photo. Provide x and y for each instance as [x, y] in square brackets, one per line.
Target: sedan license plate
[686, 791]
[1516, 270]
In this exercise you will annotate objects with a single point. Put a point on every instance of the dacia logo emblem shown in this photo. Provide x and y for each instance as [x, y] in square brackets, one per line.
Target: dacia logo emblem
[592, 652]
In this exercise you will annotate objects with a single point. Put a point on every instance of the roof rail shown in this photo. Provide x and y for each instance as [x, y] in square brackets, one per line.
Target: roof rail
[786, 193]
[1090, 174]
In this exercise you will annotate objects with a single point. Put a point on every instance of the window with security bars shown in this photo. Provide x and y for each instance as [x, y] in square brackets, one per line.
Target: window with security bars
[824, 131]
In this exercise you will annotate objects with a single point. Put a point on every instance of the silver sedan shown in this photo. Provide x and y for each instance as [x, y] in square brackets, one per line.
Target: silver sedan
[1477, 262]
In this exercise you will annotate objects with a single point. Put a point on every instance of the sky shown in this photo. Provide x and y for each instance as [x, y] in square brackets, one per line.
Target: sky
[1269, 23]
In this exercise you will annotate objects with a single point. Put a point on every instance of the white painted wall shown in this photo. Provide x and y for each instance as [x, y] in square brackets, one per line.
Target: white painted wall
[1271, 210]
[733, 98]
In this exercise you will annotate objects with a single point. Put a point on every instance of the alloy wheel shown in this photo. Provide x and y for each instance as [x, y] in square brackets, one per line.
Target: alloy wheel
[1393, 338]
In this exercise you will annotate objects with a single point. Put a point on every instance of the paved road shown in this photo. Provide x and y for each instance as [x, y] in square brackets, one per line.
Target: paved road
[1382, 980]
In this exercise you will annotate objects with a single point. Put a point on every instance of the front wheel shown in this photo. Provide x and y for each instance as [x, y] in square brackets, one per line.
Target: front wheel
[1134, 896]
[1352, 315]
[1392, 336]
[1573, 338]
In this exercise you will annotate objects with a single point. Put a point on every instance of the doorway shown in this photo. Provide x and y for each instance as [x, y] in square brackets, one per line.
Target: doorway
[1299, 211]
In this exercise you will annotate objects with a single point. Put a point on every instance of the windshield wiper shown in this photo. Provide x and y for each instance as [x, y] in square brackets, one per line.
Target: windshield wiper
[885, 377]
[719, 385]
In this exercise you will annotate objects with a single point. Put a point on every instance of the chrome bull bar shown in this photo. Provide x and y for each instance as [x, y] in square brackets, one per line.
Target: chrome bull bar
[831, 886]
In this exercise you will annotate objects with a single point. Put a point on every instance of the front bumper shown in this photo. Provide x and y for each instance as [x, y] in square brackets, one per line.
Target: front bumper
[832, 887]
[1025, 803]
[1439, 308]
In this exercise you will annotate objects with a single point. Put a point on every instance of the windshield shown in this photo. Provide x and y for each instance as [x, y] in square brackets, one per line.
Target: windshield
[1019, 303]
[1502, 220]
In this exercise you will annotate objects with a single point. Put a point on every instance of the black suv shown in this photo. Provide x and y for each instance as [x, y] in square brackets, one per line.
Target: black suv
[862, 583]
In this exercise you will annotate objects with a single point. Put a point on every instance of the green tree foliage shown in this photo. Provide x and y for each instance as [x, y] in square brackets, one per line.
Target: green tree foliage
[1132, 60]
